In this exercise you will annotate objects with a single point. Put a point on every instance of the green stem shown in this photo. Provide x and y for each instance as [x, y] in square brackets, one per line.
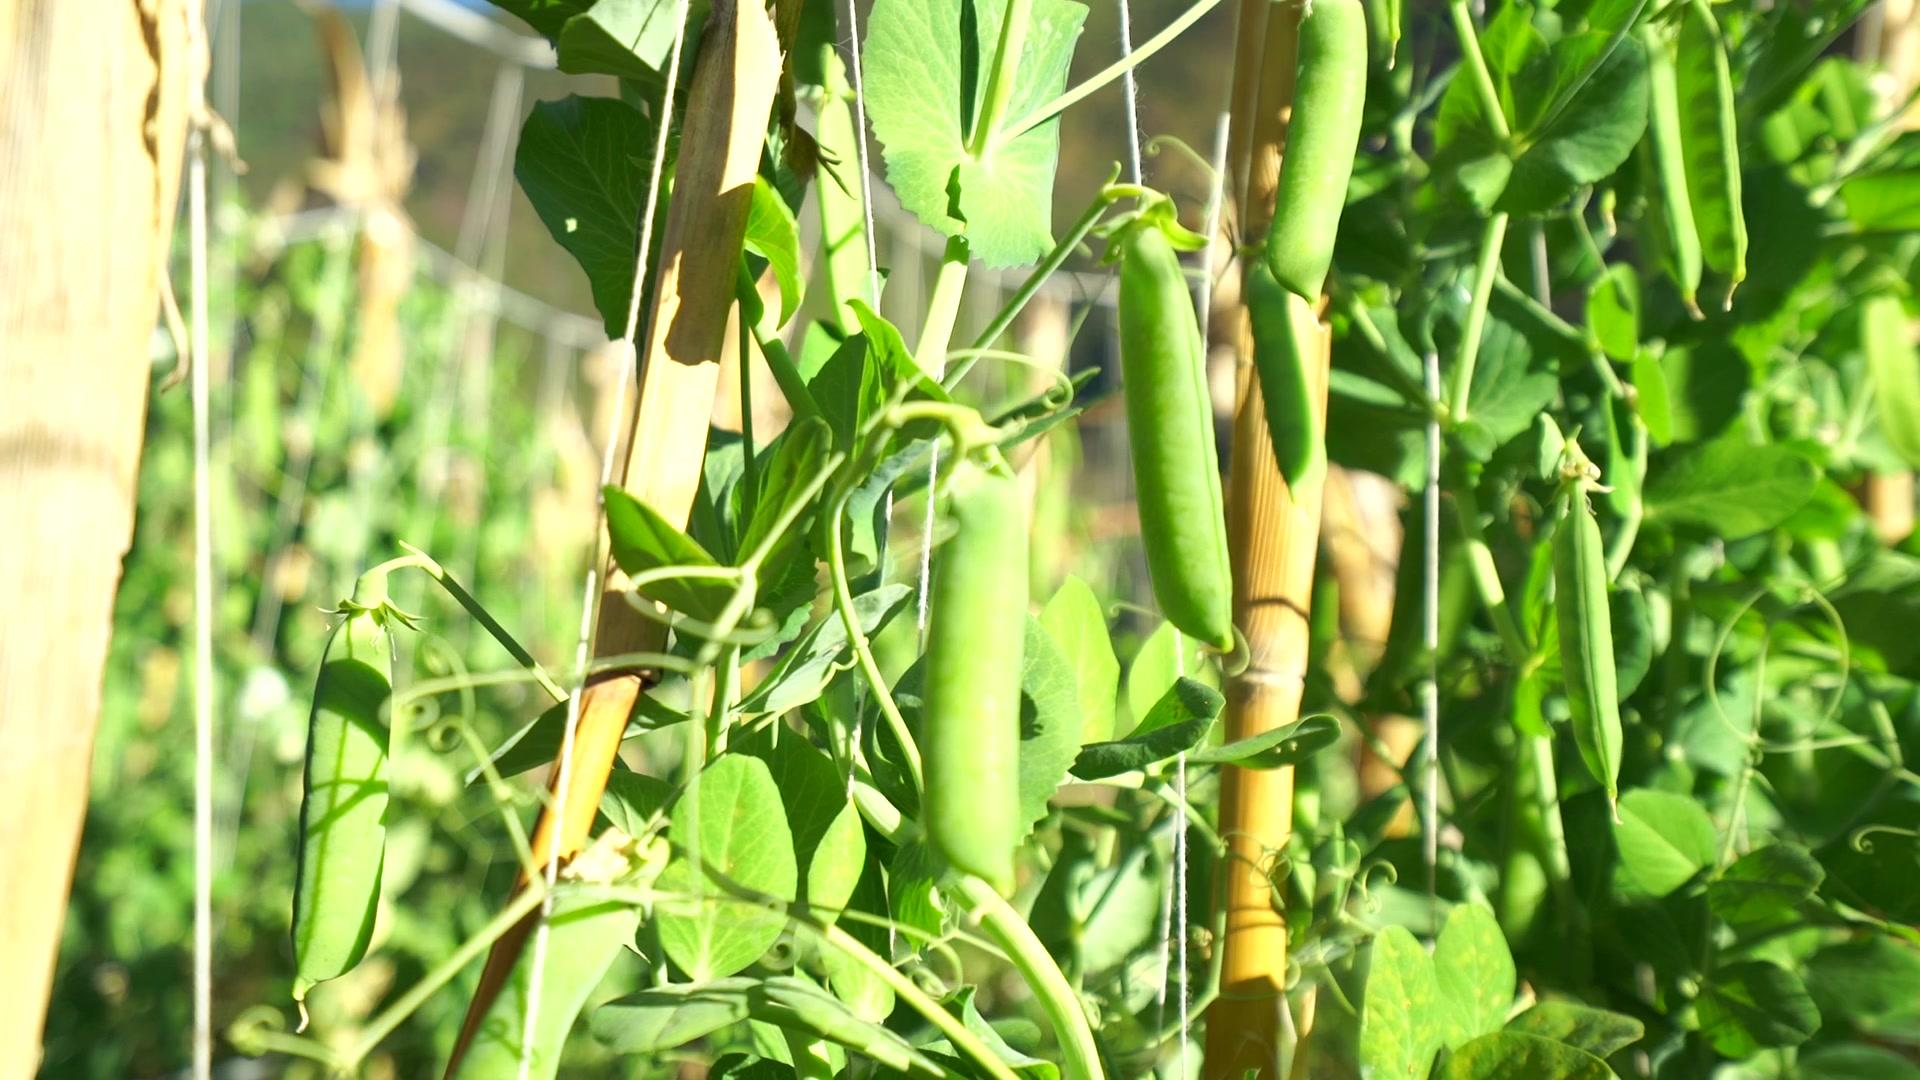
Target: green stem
[1409, 387]
[1486, 577]
[1111, 72]
[857, 638]
[1030, 288]
[422, 561]
[1000, 78]
[1476, 64]
[751, 467]
[1559, 865]
[810, 1056]
[1486, 268]
[1635, 513]
[523, 903]
[963, 1040]
[1079, 1051]
[792, 384]
[943, 308]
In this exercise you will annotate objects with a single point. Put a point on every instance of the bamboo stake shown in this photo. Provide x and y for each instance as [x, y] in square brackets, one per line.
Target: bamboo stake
[1273, 534]
[728, 106]
[1893, 40]
[93, 121]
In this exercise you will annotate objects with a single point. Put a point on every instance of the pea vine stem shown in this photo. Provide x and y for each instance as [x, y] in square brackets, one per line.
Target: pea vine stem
[1000, 79]
[1486, 268]
[1080, 1053]
[1109, 73]
[1476, 63]
[862, 649]
[383, 1025]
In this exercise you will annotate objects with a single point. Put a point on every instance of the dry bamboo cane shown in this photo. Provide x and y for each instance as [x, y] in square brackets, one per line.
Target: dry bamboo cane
[728, 106]
[1273, 537]
[93, 120]
[1893, 39]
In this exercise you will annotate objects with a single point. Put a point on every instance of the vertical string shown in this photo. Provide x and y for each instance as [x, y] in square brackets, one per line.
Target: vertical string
[590, 590]
[860, 145]
[203, 689]
[1132, 90]
[1173, 923]
[1430, 640]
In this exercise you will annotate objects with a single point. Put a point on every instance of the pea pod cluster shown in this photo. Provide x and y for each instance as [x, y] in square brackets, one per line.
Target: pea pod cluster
[1585, 624]
[976, 637]
[1330, 93]
[343, 813]
[1299, 446]
[1694, 134]
[1176, 467]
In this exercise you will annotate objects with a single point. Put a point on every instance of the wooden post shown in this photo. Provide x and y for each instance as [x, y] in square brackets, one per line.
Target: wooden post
[1273, 534]
[728, 105]
[93, 120]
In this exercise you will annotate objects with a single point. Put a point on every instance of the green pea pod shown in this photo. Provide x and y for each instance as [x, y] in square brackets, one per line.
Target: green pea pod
[1330, 92]
[1710, 142]
[970, 723]
[1586, 639]
[1680, 237]
[585, 935]
[343, 829]
[1176, 467]
[1299, 446]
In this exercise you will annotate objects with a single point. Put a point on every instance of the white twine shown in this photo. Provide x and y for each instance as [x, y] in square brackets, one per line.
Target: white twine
[203, 615]
[1430, 638]
[590, 591]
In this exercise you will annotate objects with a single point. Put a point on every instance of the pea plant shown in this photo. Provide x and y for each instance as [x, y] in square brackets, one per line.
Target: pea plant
[882, 807]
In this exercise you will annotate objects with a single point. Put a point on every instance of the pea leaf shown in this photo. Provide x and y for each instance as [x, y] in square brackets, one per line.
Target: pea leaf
[1869, 981]
[642, 540]
[1591, 137]
[1049, 723]
[1730, 488]
[1854, 1061]
[1632, 637]
[1597, 1031]
[803, 671]
[583, 162]
[1613, 311]
[794, 1003]
[668, 1016]
[630, 39]
[1289, 744]
[1653, 400]
[773, 235]
[926, 72]
[1883, 201]
[1753, 1004]
[829, 843]
[1515, 1055]
[746, 1067]
[1474, 972]
[632, 799]
[1078, 624]
[1175, 724]
[1158, 664]
[1400, 1030]
[1765, 884]
[735, 823]
[1893, 365]
[1664, 839]
[546, 16]
[851, 981]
